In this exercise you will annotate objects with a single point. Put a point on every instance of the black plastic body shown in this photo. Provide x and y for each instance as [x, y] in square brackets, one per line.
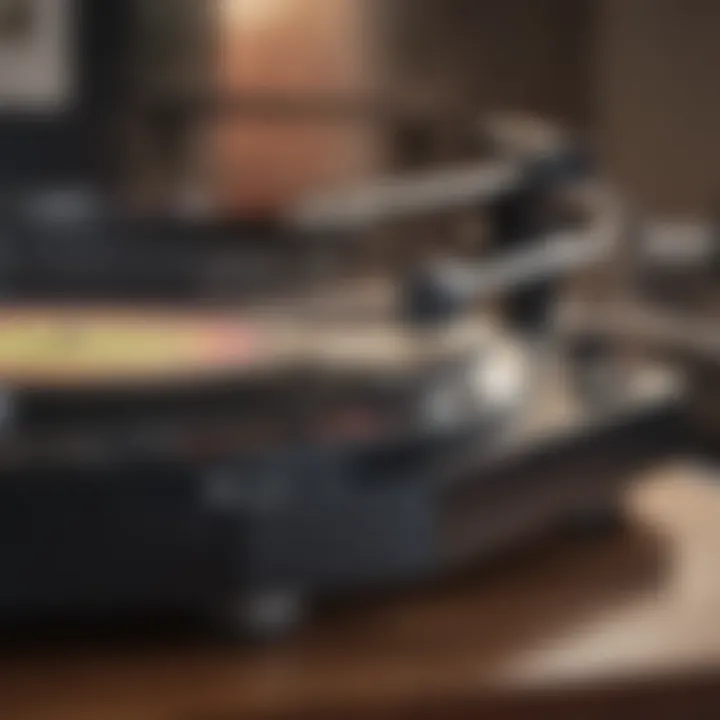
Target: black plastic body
[94, 253]
[191, 536]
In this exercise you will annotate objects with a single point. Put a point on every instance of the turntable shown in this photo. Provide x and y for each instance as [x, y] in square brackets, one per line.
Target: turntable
[241, 459]
[223, 465]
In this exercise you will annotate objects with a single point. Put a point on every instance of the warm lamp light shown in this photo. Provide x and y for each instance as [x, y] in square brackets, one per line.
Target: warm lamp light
[252, 13]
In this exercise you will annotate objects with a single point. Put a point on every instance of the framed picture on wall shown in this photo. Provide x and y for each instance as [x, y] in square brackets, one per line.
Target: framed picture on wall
[36, 55]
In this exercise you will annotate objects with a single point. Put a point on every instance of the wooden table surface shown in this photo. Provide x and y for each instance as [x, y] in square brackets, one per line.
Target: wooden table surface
[643, 601]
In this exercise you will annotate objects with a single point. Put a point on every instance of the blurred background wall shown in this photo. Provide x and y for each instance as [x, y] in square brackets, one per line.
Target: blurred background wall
[529, 55]
[638, 75]
[659, 100]
[430, 57]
